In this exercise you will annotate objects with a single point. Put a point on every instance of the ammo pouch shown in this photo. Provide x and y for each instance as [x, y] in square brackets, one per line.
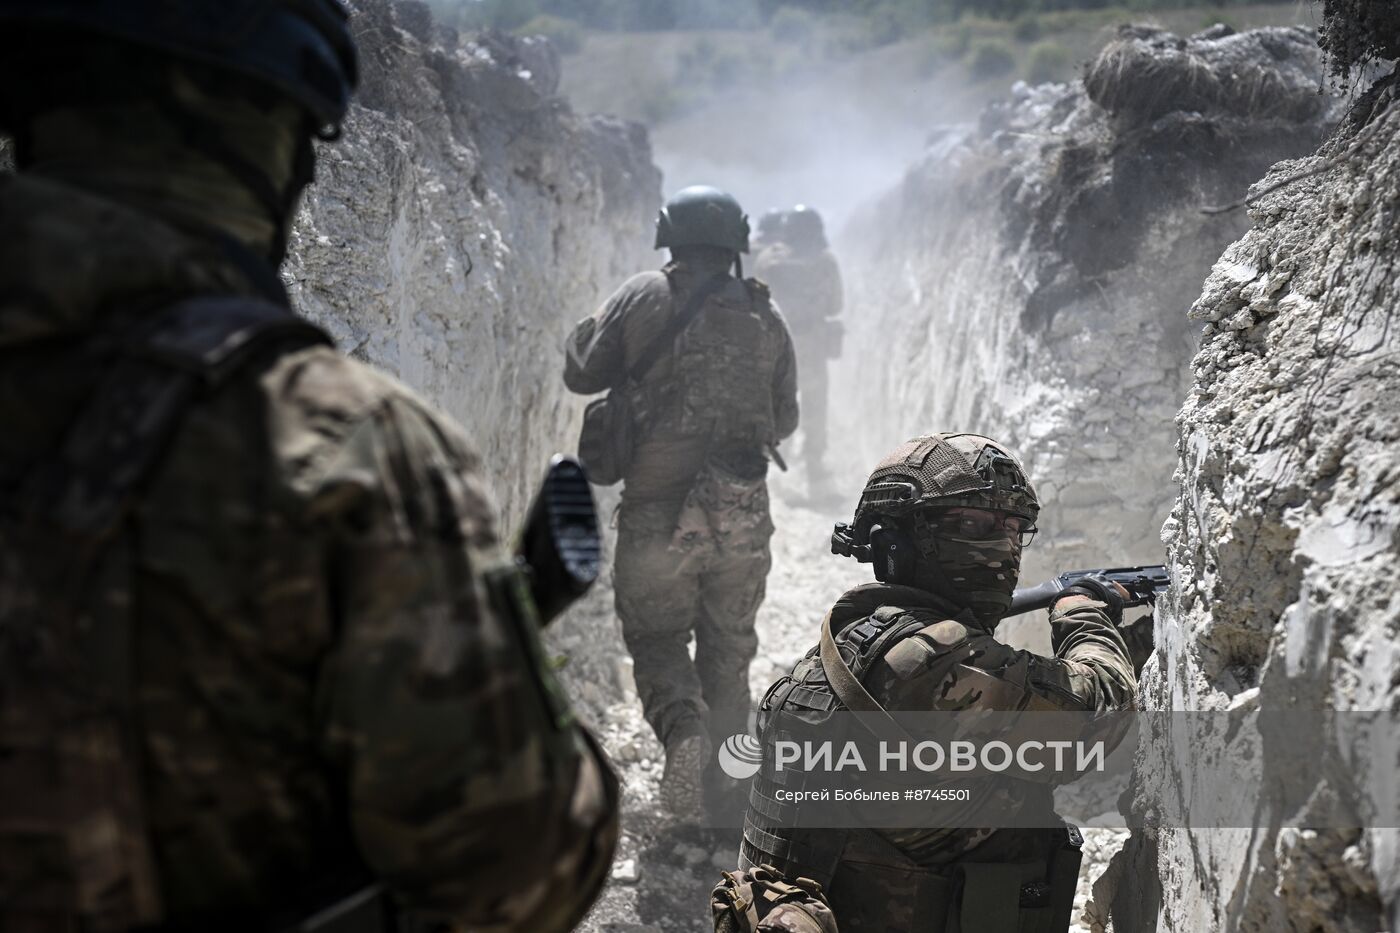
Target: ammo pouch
[761, 899]
[605, 443]
[1020, 898]
[964, 897]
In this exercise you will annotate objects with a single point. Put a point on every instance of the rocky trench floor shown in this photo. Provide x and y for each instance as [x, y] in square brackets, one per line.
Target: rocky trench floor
[662, 875]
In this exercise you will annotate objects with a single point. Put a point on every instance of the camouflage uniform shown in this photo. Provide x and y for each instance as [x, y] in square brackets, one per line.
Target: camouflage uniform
[914, 649]
[321, 690]
[692, 548]
[807, 286]
[939, 665]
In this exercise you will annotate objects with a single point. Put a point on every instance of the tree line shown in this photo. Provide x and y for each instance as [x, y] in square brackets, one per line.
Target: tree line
[647, 15]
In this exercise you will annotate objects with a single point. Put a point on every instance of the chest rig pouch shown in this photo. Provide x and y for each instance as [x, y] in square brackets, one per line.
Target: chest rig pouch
[75, 852]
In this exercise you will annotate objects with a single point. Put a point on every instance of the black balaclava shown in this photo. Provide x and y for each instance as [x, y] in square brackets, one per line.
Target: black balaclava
[203, 161]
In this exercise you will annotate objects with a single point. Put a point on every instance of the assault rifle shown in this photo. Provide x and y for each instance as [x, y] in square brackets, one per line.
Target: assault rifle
[1144, 585]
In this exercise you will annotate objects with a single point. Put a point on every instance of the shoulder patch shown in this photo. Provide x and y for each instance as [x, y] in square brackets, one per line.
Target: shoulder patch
[909, 657]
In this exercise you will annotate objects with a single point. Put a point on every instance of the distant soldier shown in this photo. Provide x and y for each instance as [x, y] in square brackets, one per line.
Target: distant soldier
[705, 366]
[796, 263]
[770, 229]
[260, 656]
[943, 519]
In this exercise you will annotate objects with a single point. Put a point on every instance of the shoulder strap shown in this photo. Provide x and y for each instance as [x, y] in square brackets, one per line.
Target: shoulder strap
[846, 685]
[674, 327]
[86, 486]
[212, 336]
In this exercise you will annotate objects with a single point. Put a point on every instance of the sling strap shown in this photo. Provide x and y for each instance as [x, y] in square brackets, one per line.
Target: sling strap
[651, 354]
[847, 686]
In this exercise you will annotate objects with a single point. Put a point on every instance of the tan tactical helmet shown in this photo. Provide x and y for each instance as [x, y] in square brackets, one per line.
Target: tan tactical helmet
[897, 529]
[947, 470]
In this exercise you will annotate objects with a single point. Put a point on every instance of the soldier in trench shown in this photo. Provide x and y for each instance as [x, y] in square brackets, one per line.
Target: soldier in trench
[707, 364]
[798, 266]
[250, 667]
[944, 519]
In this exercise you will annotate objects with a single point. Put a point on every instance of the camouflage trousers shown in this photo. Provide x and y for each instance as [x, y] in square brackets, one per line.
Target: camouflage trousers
[663, 596]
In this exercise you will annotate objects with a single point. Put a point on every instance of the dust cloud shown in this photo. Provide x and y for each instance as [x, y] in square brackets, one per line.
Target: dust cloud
[809, 126]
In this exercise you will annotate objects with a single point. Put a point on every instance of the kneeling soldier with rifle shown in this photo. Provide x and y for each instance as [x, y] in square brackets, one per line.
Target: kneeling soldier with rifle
[944, 519]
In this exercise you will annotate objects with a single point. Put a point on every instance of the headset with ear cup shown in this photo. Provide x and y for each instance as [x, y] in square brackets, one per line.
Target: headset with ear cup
[893, 554]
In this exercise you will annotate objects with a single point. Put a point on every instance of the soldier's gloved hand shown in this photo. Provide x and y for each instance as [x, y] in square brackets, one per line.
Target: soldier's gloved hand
[1105, 591]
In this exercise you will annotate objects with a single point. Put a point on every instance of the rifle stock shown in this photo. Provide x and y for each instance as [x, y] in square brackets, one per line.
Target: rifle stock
[560, 549]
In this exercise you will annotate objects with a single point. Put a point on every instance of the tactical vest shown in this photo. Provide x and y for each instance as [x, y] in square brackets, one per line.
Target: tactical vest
[721, 383]
[75, 851]
[1033, 896]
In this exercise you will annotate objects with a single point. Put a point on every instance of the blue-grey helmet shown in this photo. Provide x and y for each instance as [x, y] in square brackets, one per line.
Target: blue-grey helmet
[301, 49]
[703, 216]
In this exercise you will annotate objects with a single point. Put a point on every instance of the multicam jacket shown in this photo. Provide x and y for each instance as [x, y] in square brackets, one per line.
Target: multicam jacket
[320, 688]
[731, 380]
[933, 658]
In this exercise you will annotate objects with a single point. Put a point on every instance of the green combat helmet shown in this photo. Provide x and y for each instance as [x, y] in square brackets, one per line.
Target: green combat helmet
[896, 525]
[803, 229]
[702, 216]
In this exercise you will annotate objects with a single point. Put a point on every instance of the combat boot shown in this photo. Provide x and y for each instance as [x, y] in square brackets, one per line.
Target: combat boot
[688, 755]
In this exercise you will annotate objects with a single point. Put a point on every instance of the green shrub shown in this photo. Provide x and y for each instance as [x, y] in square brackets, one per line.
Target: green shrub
[952, 41]
[660, 103]
[991, 58]
[884, 25]
[566, 34]
[930, 55]
[1027, 28]
[717, 65]
[484, 14]
[1049, 61]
